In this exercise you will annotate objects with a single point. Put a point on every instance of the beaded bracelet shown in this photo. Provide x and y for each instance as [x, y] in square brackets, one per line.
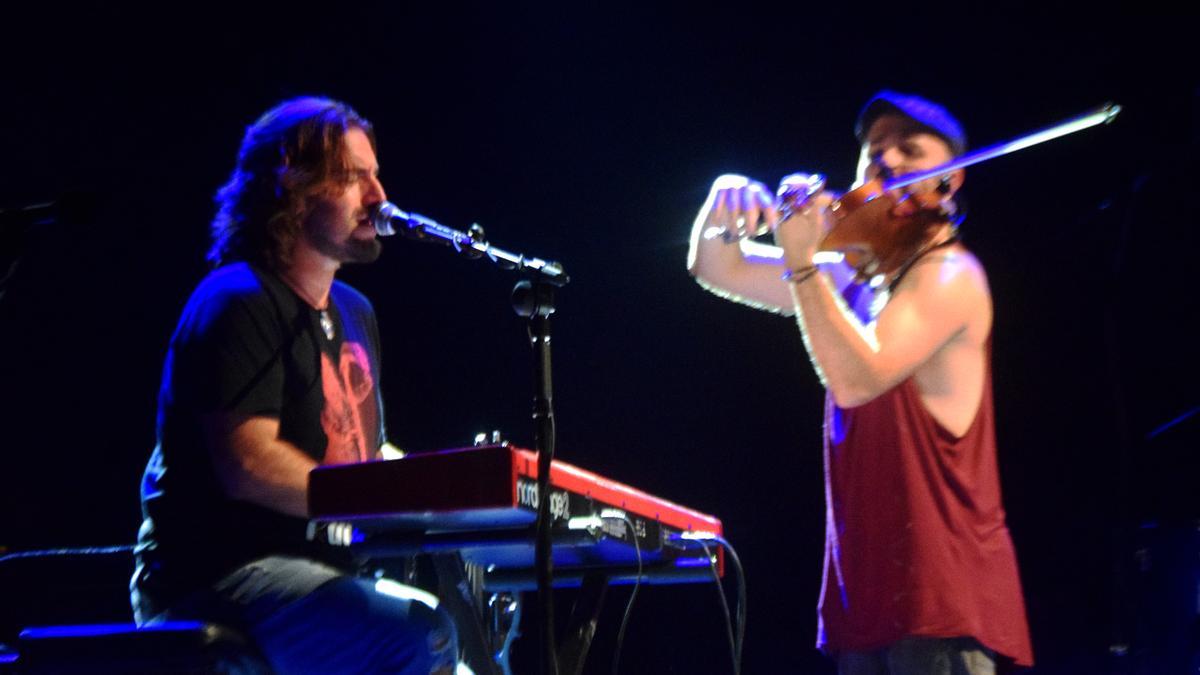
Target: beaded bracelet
[800, 274]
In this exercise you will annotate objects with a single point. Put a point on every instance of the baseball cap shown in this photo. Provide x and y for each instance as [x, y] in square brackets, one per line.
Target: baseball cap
[924, 112]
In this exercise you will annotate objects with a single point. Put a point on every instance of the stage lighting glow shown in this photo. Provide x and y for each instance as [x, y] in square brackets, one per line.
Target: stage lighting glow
[399, 590]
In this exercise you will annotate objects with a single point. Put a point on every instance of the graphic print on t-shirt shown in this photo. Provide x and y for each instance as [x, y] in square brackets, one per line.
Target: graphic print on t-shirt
[349, 417]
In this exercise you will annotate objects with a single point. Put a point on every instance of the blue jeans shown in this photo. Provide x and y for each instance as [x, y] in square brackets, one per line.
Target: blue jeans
[921, 656]
[306, 617]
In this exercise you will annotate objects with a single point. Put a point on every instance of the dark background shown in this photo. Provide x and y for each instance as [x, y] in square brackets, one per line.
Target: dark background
[590, 135]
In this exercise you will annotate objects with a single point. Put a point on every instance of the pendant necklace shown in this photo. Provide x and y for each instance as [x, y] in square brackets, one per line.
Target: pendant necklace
[327, 324]
[326, 321]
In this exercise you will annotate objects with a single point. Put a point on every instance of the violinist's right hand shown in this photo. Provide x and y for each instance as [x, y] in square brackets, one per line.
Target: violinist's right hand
[738, 207]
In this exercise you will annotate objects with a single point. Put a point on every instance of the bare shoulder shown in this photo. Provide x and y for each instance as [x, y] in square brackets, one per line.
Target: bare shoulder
[951, 284]
[950, 272]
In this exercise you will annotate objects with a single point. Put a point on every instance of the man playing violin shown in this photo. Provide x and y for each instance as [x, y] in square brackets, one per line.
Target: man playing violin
[920, 573]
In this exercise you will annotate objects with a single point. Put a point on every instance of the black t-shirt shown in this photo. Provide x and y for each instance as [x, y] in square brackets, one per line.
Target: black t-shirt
[247, 344]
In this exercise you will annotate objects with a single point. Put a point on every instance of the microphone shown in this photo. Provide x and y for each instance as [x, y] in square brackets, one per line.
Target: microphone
[70, 208]
[34, 214]
[390, 219]
[385, 214]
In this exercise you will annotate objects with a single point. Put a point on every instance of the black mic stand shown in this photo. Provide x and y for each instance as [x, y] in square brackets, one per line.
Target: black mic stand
[532, 298]
[535, 301]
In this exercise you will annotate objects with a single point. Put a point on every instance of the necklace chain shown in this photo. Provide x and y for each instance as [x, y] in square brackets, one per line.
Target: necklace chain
[327, 325]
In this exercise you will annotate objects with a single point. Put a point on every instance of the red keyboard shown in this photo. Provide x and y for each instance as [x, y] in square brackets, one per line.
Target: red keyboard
[482, 502]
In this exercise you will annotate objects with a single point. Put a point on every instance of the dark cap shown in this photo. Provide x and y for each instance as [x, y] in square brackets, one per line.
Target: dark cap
[924, 112]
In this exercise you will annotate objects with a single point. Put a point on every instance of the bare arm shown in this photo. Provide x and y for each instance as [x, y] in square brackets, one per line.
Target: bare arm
[942, 300]
[746, 271]
[942, 307]
[254, 465]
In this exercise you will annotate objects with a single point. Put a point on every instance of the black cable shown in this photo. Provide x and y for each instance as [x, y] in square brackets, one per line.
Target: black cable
[736, 636]
[740, 613]
[733, 645]
[12, 247]
[628, 605]
[12, 272]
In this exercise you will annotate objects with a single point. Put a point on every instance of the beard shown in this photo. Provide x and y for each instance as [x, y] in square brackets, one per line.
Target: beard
[350, 249]
[360, 250]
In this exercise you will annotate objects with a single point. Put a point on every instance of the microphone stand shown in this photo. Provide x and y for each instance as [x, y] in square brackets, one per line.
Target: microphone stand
[472, 243]
[535, 301]
[532, 298]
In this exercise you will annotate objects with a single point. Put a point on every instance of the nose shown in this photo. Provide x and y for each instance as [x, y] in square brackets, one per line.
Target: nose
[891, 159]
[374, 192]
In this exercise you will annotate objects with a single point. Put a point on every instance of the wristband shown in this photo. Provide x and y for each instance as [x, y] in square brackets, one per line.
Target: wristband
[800, 274]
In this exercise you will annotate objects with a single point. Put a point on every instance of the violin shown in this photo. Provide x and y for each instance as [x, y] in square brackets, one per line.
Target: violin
[881, 227]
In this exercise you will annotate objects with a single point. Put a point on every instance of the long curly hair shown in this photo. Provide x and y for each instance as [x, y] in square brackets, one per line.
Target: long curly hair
[294, 152]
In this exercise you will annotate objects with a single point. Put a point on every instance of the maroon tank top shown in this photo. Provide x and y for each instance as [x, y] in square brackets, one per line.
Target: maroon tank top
[915, 541]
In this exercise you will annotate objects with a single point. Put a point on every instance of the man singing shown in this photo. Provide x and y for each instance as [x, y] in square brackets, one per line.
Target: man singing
[272, 370]
[920, 572]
